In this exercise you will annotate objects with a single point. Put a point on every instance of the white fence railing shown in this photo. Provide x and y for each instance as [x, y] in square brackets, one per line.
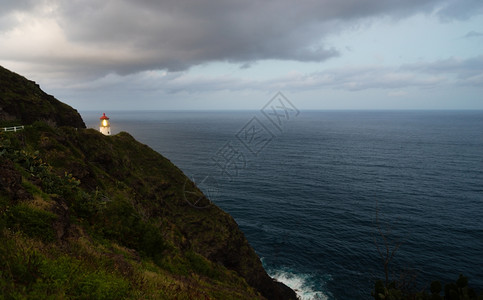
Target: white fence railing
[14, 128]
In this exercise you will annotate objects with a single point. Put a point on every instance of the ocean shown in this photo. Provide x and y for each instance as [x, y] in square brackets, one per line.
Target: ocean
[313, 193]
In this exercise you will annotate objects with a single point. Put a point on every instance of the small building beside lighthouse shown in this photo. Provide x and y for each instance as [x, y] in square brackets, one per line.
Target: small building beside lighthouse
[105, 126]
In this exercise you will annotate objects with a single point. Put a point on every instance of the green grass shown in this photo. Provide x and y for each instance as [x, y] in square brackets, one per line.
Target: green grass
[121, 205]
[28, 273]
[31, 221]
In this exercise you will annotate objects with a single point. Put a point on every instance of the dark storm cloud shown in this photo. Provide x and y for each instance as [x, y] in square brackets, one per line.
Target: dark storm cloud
[177, 35]
[128, 36]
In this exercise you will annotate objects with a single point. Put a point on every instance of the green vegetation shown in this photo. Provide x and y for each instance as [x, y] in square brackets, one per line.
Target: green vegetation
[458, 290]
[22, 102]
[32, 221]
[87, 216]
[29, 273]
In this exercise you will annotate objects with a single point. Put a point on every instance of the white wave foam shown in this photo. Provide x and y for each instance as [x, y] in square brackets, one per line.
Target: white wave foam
[299, 283]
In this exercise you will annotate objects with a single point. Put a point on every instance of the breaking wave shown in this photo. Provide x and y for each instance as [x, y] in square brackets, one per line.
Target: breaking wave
[302, 284]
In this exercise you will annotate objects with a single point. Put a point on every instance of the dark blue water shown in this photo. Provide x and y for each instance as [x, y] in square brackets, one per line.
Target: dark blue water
[307, 200]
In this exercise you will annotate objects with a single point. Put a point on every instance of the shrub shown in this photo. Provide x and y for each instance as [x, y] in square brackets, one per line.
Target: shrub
[202, 266]
[436, 287]
[34, 222]
[19, 265]
[120, 222]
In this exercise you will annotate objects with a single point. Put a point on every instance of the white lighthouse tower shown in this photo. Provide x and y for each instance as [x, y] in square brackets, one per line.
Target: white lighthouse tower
[105, 127]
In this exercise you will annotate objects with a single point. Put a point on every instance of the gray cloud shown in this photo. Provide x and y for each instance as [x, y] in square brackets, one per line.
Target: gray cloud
[434, 75]
[467, 72]
[456, 72]
[362, 78]
[128, 36]
[473, 34]
[7, 7]
[460, 10]
[16, 5]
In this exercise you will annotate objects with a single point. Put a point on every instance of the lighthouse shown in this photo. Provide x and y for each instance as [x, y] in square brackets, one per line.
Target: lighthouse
[105, 127]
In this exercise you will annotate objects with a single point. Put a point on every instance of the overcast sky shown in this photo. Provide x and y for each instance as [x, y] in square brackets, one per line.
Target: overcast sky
[234, 54]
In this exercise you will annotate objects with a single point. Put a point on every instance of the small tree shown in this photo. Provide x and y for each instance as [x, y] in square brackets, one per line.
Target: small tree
[388, 248]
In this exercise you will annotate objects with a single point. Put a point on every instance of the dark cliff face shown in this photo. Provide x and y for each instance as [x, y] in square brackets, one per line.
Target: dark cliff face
[22, 102]
[113, 192]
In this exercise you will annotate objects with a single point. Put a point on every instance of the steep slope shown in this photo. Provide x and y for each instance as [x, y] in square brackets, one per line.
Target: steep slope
[115, 211]
[22, 102]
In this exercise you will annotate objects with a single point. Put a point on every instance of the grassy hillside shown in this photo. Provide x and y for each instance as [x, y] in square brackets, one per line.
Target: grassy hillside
[22, 102]
[82, 214]
[88, 216]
